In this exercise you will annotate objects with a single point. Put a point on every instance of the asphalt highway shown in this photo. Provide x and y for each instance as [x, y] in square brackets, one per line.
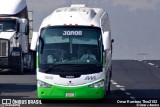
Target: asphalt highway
[132, 80]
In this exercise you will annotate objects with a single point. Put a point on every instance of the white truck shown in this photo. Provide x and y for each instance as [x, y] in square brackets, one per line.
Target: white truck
[15, 35]
[74, 54]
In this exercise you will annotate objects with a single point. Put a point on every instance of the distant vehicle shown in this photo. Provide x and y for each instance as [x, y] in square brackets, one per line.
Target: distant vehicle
[65, 41]
[15, 35]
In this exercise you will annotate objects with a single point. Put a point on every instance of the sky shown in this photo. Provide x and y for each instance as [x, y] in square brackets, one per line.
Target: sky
[135, 24]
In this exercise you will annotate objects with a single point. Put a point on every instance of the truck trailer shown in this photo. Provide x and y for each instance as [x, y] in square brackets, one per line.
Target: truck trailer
[74, 55]
[15, 36]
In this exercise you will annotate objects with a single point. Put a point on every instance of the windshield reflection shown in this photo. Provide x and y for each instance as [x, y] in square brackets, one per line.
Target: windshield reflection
[55, 48]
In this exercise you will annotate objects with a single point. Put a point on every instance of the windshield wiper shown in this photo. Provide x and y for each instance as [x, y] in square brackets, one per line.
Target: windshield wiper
[92, 68]
[53, 68]
[89, 67]
[59, 67]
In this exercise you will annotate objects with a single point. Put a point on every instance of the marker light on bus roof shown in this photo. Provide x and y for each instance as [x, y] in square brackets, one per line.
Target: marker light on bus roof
[92, 24]
[48, 25]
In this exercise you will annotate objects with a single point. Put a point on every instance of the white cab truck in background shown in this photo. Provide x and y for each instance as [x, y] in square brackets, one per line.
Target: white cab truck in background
[15, 36]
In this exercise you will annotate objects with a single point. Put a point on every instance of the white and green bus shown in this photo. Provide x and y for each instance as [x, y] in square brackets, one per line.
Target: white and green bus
[73, 54]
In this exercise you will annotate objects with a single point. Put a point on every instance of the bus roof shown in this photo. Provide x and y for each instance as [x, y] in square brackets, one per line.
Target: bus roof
[75, 15]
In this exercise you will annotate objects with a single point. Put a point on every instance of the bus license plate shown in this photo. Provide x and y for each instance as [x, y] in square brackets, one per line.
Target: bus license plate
[69, 94]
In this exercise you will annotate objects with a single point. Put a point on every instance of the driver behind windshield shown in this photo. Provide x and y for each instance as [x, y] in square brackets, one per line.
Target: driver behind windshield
[88, 55]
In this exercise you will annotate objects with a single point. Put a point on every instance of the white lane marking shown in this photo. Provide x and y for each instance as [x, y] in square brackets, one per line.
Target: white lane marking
[122, 89]
[113, 82]
[119, 86]
[131, 97]
[127, 93]
[150, 63]
[156, 65]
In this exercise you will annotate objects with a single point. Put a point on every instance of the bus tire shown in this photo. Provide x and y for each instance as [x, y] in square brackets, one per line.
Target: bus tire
[108, 88]
[108, 91]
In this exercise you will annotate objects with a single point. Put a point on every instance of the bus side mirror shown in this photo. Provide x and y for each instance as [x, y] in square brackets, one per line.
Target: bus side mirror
[112, 40]
[107, 40]
[34, 41]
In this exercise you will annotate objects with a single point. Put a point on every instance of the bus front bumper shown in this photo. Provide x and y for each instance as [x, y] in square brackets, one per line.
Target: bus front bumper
[81, 92]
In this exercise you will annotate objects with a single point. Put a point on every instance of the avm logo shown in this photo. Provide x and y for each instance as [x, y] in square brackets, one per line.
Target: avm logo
[90, 78]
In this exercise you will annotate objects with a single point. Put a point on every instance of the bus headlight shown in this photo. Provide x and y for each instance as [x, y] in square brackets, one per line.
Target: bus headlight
[43, 84]
[98, 84]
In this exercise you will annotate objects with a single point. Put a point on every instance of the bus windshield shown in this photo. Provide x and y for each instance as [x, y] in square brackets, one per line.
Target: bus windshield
[7, 25]
[70, 45]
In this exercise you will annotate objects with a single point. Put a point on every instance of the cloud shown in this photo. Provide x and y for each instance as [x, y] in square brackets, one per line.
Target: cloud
[45, 4]
[137, 4]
